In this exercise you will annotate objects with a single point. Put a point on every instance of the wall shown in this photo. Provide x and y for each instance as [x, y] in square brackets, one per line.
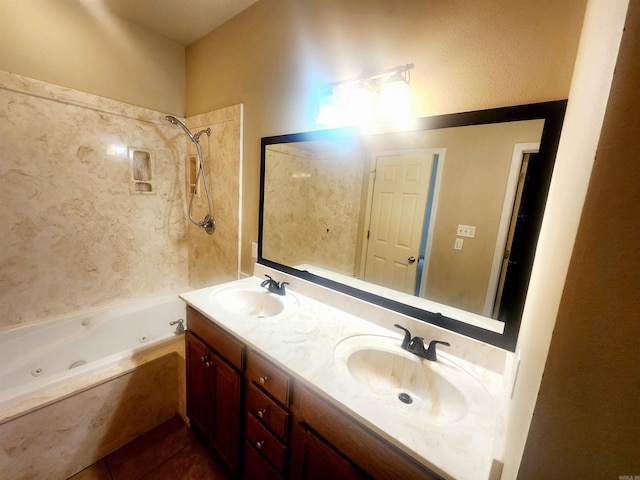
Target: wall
[65, 42]
[586, 422]
[216, 258]
[75, 236]
[312, 203]
[468, 55]
[593, 72]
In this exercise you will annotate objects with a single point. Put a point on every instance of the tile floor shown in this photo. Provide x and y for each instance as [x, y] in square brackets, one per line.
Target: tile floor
[169, 451]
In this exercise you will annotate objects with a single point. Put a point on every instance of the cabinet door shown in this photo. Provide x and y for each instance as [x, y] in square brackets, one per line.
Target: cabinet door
[226, 436]
[314, 459]
[213, 400]
[200, 386]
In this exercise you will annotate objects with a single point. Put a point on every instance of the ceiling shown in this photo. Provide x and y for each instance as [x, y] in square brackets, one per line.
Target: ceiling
[183, 21]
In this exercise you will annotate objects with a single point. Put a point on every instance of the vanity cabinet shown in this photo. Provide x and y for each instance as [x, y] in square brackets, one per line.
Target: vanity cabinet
[327, 443]
[214, 387]
[245, 406]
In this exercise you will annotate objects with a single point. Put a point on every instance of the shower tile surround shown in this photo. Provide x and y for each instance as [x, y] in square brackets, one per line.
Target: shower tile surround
[74, 235]
[216, 258]
[77, 236]
[331, 228]
[303, 345]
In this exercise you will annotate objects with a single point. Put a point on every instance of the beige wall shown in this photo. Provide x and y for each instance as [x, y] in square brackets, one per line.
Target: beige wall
[593, 72]
[467, 56]
[586, 420]
[65, 43]
[475, 170]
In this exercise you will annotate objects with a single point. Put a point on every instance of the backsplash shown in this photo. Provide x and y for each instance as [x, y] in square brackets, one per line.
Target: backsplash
[74, 235]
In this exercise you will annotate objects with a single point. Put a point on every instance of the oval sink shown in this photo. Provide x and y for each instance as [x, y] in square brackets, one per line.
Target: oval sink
[402, 382]
[251, 302]
[400, 379]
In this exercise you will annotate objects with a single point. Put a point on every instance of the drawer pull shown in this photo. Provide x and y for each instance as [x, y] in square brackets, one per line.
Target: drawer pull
[261, 413]
[263, 380]
[259, 444]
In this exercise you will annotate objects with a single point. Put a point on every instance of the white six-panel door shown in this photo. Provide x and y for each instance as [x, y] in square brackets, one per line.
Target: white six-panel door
[399, 200]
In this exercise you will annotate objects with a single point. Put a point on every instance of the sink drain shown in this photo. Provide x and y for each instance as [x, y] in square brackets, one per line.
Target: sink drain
[36, 372]
[405, 398]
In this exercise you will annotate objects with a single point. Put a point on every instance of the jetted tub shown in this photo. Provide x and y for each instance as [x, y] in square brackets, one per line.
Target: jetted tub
[75, 388]
[38, 357]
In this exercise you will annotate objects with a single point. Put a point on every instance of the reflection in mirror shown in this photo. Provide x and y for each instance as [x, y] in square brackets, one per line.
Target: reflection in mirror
[435, 220]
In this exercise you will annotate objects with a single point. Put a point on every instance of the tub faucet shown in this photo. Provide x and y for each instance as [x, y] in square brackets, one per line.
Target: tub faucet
[416, 345]
[273, 286]
[180, 327]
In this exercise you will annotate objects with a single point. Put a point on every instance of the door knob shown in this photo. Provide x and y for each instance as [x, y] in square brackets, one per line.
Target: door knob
[411, 260]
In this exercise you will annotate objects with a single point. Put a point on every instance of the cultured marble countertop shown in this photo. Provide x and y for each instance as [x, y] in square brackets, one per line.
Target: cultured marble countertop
[303, 340]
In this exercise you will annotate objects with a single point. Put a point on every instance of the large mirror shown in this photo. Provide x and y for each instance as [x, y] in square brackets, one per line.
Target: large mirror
[438, 221]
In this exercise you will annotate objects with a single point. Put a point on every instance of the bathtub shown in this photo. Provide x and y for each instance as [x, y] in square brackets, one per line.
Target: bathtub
[39, 357]
[89, 382]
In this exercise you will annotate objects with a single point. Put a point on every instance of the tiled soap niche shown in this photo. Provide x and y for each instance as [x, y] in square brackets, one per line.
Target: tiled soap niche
[142, 171]
[193, 186]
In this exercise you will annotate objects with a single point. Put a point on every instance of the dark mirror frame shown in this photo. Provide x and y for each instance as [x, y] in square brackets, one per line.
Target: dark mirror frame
[517, 281]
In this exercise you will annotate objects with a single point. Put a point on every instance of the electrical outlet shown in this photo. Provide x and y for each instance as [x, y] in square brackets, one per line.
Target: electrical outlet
[254, 249]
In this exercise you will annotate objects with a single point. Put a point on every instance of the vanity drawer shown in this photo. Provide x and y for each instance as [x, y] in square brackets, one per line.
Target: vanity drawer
[263, 441]
[219, 340]
[270, 378]
[257, 467]
[267, 411]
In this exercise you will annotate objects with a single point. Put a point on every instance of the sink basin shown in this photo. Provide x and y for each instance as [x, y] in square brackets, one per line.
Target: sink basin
[401, 381]
[252, 302]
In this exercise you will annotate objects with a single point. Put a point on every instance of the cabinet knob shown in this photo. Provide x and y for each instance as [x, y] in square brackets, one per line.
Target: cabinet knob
[203, 358]
[259, 444]
[263, 380]
[261, 413]
[208, 364]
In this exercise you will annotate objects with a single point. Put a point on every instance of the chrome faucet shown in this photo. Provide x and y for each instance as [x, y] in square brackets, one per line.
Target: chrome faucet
[415, 345]
[180, 327]
[273, 286]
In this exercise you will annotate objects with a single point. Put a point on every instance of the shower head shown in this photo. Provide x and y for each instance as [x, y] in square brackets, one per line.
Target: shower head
[174, 121]
[194, 138]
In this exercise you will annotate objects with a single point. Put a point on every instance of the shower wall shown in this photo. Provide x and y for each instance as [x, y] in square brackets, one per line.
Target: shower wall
[215, 258]
[74, 235]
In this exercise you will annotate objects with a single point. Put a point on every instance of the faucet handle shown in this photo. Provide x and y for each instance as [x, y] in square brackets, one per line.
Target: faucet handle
[407, 337]
[431, 350]
[281, 289]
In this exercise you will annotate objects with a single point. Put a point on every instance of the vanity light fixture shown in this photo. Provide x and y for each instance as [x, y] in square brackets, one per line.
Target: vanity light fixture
[383, 95]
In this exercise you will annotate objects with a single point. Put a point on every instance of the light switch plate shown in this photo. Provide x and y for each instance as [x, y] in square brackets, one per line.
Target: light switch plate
[458, 244]
[468, 231]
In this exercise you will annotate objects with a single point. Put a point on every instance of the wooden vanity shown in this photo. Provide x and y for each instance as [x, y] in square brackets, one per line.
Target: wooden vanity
[262, 423]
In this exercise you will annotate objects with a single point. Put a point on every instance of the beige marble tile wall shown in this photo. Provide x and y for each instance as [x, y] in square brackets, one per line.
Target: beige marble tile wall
[73, 234]
[215, 258]
[312, 222]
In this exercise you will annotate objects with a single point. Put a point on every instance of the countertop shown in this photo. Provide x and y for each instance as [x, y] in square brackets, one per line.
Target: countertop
[302, 341]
